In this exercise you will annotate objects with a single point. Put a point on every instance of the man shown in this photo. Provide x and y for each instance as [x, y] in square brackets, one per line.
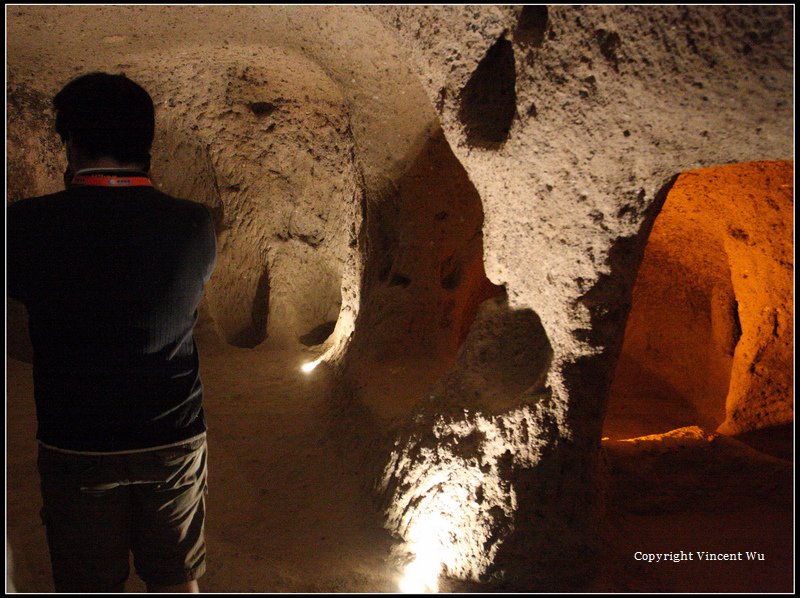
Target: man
[112, 272]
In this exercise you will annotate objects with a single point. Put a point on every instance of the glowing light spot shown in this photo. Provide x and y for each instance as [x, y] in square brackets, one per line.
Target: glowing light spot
[428, 540]
[309, 366]
[422, 574]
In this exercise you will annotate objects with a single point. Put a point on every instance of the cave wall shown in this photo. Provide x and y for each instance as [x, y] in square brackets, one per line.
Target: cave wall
[611, 103]
[707, 340]
[570, 123]
[424, 250]
[291, 88]
[280, 160]
[602, 123]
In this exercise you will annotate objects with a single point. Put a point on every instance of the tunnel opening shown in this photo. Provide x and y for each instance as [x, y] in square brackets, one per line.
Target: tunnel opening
[707, 341]
[285, 200]
[319, 334]
[424, 279]
[254, 334]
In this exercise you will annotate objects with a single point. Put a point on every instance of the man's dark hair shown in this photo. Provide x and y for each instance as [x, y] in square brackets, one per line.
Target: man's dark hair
[106, 115]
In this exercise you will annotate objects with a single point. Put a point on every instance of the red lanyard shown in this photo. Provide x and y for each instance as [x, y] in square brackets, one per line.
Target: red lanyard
[101, 180]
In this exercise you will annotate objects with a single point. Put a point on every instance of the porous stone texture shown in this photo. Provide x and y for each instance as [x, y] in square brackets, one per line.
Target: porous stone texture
[310, 133]
[283, 185]
[257, 121]
[452, 492]
[611, 104]
[708, 339]
[33, 151]
[272, 157]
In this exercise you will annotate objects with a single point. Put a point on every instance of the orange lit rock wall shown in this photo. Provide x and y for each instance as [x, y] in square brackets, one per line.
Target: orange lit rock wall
[425, 247]
[709, 336]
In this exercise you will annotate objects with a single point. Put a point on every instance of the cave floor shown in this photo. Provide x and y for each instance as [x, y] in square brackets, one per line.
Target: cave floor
[287, 514]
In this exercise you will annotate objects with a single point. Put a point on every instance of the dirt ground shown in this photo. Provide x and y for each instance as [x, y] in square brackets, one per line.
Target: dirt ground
[287, 514]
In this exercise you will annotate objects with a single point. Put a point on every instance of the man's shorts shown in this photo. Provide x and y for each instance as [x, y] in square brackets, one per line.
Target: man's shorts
[99, 507]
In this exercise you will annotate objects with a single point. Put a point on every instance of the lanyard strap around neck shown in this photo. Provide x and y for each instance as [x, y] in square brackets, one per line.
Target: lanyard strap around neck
[102, 180]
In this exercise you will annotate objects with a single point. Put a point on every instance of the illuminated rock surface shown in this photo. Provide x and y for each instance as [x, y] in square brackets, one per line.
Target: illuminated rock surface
[450, 204]
[709, 337]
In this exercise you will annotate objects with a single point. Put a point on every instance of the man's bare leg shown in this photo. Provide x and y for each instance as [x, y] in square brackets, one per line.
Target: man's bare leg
[190, 587]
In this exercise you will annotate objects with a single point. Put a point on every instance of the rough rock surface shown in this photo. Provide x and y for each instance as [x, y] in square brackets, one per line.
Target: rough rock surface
[611, 104]
[451, 488]
[570, 125]
[290, 91]
[709, 339]
[425, 276]
[279, 156]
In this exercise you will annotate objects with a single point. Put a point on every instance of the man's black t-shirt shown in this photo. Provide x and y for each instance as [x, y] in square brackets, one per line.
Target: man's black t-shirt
[112, 278]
